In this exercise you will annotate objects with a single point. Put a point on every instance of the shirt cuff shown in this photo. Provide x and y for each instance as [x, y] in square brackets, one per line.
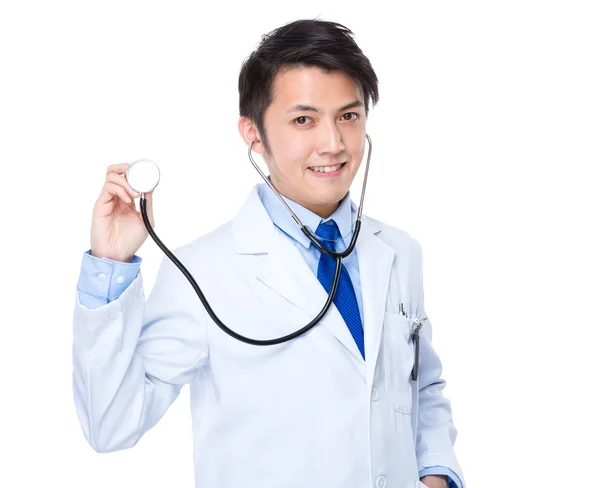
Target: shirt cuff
[453, 479]
[105, 278]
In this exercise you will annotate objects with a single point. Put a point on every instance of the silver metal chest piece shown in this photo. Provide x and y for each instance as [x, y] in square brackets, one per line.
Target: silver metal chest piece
[143, 175]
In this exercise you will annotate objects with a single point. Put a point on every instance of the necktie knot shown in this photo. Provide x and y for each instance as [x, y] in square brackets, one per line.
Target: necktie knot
[329, 231]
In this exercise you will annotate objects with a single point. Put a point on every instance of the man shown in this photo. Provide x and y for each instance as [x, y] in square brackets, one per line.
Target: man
[335, 407]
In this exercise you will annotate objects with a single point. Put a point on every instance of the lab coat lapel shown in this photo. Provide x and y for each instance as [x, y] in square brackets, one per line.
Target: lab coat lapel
[375, 260]
[287, 273]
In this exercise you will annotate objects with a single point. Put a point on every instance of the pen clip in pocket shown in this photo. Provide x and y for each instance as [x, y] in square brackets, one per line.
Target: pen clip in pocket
[418, 322]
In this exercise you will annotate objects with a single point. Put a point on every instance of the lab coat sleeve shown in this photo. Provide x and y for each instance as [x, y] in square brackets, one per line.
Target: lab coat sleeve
[131, 357]
[436, 432]
[451, 476]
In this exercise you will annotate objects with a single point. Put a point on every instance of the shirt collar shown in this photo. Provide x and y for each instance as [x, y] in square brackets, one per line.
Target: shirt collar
[343, 216]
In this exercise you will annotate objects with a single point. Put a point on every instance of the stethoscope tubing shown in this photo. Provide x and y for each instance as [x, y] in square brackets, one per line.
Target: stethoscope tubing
[337, 256]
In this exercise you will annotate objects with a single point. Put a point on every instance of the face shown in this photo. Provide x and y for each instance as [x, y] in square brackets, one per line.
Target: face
[315, 122]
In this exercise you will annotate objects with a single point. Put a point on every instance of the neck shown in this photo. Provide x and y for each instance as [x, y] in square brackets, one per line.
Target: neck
[323, 211]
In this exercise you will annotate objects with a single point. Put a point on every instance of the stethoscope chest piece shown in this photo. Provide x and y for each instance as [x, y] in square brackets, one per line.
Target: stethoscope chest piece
[143, 175]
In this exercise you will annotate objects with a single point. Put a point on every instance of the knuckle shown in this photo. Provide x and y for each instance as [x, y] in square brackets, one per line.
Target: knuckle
[113, 168]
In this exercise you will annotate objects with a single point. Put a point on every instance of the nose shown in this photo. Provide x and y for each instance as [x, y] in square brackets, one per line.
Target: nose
[330, 140]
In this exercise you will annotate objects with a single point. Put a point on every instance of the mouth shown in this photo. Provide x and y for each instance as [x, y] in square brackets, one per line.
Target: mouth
[327, 171]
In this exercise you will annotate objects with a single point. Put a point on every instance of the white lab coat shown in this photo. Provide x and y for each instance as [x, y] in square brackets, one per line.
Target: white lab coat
[307, 413]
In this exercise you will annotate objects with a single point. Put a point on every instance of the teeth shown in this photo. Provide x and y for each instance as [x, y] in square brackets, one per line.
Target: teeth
[326, 169]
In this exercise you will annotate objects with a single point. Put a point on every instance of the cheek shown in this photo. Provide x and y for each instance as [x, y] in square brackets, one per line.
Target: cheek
[297, 148]
[359, 153]
[295, 158]
[288, 147]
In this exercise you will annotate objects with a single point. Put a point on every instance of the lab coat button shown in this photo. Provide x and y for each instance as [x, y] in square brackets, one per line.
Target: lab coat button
[381, 482]
[101, 276]
[374, 394]
[120, 280]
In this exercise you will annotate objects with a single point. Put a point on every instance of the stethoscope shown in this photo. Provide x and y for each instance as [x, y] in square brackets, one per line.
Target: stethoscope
[143, 176]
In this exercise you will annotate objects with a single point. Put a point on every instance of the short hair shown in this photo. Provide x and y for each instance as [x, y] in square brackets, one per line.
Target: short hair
[302, 43]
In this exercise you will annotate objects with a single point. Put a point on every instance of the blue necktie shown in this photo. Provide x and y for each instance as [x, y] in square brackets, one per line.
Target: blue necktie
[345, 298]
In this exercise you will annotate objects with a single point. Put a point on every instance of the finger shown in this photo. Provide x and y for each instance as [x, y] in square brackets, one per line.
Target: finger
[117, 168]
[110, 190]
[122, 181]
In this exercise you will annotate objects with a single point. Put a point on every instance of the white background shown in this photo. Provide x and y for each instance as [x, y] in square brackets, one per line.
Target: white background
[486, 150]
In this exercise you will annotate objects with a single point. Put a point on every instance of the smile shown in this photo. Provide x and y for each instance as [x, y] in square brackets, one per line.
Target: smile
[327, 169]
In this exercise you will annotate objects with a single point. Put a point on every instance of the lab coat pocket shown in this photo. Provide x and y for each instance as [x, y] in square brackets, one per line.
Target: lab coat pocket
[398, 352]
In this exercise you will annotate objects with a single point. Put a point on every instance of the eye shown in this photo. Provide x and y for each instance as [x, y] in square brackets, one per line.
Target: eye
[301, 120]
[350, 113]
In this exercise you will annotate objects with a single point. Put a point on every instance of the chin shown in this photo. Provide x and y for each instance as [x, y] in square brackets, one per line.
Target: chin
[331, 198]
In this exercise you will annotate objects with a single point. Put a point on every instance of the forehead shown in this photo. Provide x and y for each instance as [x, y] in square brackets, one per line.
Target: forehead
[314, 86]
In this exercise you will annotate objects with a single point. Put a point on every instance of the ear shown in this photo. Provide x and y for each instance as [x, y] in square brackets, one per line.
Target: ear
[249, 133]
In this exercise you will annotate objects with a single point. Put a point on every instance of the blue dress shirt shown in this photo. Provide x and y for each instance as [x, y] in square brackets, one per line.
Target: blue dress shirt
[103, 280]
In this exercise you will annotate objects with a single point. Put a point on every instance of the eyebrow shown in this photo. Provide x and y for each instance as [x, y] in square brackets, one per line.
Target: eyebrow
[309, 108]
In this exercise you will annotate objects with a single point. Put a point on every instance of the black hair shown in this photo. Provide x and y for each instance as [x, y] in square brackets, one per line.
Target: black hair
[302, 43]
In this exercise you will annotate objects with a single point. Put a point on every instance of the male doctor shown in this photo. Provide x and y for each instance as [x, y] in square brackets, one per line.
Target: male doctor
[336, 407]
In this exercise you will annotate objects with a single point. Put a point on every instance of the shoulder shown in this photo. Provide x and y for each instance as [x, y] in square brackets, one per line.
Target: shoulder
[399, 239]
[217, 240]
